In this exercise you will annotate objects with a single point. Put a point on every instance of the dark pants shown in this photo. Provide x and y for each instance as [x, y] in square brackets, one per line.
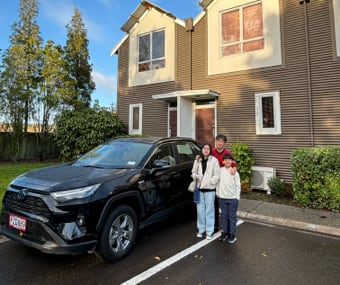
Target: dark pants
[229, 209]
[217, 214]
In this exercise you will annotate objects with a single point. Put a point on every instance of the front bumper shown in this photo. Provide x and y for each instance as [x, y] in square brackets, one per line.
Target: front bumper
[40, 236]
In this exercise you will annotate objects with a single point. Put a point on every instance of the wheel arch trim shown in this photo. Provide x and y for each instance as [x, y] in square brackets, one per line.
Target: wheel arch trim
[122, 196]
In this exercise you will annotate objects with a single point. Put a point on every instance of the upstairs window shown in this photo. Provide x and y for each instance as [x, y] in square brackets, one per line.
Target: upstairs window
[268, 113]
[242, 29]
[151, 51]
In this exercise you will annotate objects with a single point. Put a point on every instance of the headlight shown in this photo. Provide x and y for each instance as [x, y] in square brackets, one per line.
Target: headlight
[73, 194]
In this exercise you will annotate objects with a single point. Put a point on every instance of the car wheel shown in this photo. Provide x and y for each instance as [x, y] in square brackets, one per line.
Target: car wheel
[119, 234]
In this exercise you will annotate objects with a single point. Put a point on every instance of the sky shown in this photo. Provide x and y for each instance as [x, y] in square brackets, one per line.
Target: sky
[103, 20]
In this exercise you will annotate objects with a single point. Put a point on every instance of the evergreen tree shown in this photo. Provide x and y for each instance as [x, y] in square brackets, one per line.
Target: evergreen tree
[79, 68]
[20, 73]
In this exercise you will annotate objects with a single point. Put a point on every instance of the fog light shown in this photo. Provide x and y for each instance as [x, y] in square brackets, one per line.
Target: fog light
[70, 231]
[81, 222]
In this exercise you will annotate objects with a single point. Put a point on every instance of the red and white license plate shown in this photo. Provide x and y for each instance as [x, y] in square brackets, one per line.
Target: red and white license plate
[17, 222]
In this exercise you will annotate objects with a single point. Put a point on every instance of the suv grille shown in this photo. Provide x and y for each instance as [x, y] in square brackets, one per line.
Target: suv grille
[30, 204]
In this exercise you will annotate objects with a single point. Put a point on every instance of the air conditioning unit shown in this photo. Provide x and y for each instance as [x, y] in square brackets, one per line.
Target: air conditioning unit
[260, 176]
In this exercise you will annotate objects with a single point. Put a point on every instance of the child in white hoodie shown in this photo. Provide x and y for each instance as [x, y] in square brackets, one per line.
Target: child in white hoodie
[228, 191]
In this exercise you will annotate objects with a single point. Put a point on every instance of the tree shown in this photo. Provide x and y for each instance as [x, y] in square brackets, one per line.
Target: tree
[77, 58]
[52, 90]
[20, 73]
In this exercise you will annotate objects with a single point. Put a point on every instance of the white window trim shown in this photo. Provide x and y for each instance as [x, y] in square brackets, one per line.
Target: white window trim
[277, 113]
[151, 59]
[152, 21]
[241, 41]
[271, 55]
[133, 131]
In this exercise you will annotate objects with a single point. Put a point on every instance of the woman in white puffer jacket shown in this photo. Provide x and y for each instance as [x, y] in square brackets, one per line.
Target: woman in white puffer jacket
[206, 171]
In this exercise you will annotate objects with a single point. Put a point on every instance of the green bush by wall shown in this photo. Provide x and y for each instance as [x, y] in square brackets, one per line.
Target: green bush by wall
[243, 154]
[316, 177]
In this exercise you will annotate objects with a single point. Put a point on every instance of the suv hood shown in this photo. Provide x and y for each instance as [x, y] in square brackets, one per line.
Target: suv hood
[65, 176]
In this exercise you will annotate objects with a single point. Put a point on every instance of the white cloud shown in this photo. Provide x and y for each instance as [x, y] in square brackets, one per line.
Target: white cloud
[61, 13]
[104, 82]
[106, 88]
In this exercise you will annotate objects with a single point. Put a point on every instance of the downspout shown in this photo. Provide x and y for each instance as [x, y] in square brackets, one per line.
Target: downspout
[189, 27]
[310, 100]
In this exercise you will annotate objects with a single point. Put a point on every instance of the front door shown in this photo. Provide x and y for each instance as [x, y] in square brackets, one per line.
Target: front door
[173, 122]
[205, 125]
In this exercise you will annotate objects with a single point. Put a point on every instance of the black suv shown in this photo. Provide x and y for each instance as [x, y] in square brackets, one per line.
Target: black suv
[98, 202]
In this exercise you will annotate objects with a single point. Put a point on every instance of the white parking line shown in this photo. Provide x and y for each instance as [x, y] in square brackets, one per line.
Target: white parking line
[3, 239]
[171, 260]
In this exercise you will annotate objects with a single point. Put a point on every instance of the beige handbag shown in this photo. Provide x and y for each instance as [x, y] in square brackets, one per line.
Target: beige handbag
[192, 186]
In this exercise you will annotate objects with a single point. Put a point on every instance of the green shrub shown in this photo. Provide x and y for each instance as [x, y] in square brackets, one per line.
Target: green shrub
[78, 131]
[243, 154]
[329, 194]
[316, 177]
[277, 186]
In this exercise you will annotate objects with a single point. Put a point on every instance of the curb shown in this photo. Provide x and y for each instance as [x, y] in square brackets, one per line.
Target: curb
[290, 224]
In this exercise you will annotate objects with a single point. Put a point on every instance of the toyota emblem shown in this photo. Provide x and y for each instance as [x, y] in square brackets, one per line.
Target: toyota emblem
[22, 194]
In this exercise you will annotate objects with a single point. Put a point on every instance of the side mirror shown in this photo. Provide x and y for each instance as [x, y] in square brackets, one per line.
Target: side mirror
[159, 164]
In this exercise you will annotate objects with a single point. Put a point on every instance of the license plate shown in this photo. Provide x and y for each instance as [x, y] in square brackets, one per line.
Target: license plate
[17, 222]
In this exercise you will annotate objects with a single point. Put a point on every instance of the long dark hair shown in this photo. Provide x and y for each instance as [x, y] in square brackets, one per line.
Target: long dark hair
[203, 145]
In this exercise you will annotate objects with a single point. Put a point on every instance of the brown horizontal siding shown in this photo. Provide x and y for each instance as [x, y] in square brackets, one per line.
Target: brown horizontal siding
[236, 104]
[325, 74]
[155, 112]
[199, 55]
[123, 63]
[183, 69]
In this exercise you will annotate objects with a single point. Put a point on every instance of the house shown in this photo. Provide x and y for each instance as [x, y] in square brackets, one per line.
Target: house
[263, 72]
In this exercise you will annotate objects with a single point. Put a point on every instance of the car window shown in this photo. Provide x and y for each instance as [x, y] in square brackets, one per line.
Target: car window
[187, 151]
[121, 154]
[163, 152]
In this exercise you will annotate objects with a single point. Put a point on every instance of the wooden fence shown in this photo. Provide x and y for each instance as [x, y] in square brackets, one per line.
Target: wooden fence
[30, 149]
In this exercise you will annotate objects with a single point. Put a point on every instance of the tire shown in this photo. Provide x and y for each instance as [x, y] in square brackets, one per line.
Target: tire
[118, 234]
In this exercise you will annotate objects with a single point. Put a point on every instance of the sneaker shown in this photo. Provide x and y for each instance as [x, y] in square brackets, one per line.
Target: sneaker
[231, 239]
[199, 235]
[209, 237]
[223, 237]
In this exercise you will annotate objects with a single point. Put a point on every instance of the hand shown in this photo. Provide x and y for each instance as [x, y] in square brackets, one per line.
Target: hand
[197, 177]
[233, 170]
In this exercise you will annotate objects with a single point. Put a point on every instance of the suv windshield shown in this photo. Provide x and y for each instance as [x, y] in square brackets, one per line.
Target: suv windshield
[116, 154]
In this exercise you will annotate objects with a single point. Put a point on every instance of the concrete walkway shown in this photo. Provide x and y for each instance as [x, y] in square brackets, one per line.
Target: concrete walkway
[319, 221]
